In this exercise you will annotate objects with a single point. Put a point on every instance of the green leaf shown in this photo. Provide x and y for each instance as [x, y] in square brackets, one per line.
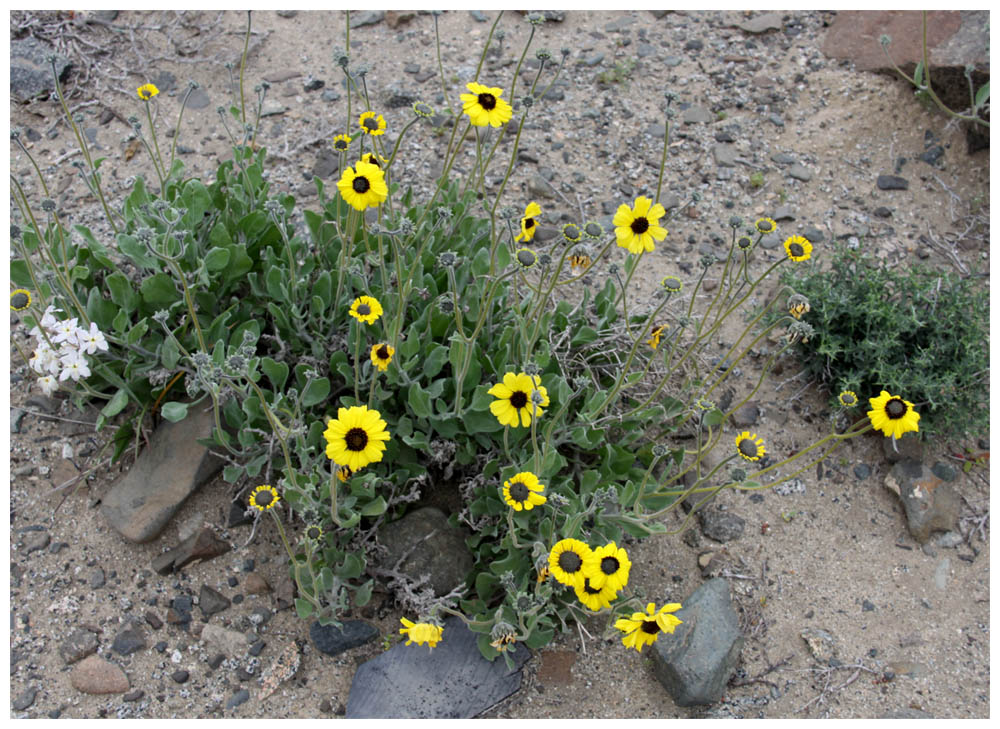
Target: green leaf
[169, 353]
[116, 404]
[583, 335]
[217, 259]
[303, 607]
[121, 322]
[983, 95]
[351, 568]
[159, 290]
[315, 392]
[374, 508]
[19, 274]
[713, 417]
[174, 411]
[419, 401]
[277, 372]
[231, 473]
[435, 360]
[121, 291]
[136, 333]
[363, 594]
[137, 252]
[918, 74]
[97, 250]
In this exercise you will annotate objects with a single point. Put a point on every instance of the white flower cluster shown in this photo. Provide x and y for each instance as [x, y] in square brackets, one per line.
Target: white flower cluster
[68, 361]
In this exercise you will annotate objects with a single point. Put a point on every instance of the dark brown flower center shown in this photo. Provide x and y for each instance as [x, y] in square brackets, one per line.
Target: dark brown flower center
[488, 101]
[895, 408]
[639, 226]
[373, 160]
[356, 439]
[263, 498]
[796, 250]
[588, 589]
[364, 309]
[592, 229]
[744, 242]
[19, 300]
[748, 447]
[519, 492]
[382, 352]
[610, 565]
[650, 626]
[764, 226]
[526, 258]
[340, 145]
[313, 532]
[519, 399]
[529, 223]
[570, 562]
[361, 185]
[371, 123]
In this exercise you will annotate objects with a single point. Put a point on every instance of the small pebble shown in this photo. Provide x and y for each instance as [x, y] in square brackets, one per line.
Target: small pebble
[180, 676]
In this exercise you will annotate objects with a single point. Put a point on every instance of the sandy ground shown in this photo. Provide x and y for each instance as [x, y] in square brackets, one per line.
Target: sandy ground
[912, 624]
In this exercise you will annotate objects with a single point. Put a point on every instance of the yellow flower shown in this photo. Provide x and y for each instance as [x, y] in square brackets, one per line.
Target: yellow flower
[341, 142]
[356, 438]
[363, 186]
[579, 261]
[613, 566]
[514, 398]
[372, 123]
[654, 340]
[382, 356]
[543, 574]
[636, 228]
[893, 415]
[485, 107]
[749, 446]
[20, 299]
[264, 497]
[797, 310]
[421, 633]
[372, 159]
[366, 309]
[798, 248]
[643, 628]
[570, 561]
[522, 491]
[765, 225]
[595, 598]
[344, 473]
[147, 91]
[504, 642]
[528, 224]
[848, 398]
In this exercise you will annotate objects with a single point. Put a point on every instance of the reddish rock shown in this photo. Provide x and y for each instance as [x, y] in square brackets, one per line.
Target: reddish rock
[256, 585]
[854, 36]
[556, 668]
[201, 546]
[94, 675]
[396, 18]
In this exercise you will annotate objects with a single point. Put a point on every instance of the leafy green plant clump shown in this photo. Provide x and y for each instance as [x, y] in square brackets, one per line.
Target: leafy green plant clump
[916, 331]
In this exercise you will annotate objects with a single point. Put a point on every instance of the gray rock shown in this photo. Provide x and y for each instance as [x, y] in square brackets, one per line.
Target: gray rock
[36, 541]
[944, 471]
[139, 505]
[722, 526]
[30, 72]
[329, 95]
[411, 68]
[697, 115]
[425, 75]
[313, 84]
[231, 642]
[398, 97]
[593, 59]
[450, 681]
[822, 645]
[333, 641]
[776, 120]
[240, 697]
[771, 241]
[800, 172]
[424, 543]
[725, 155]
[942, 573]
[16, 416]
[212, 602]
[129, 641]
[198, 99]
[80, 644]
[24, 700]
[862, 471]
[746, 416]
[479, 16]
[539, 187]
[180, 676]
[202, 546]
[619, 24]
[761, 23]
[892, 182]
[646, 49]
[906, 714]
[695, 662]
[782, 159]
[783, 212]
[673, 61]
[367, 17]
[97, 578]
[165, 82]
[948, 540]
[94, 675]
[930, 503]
[327, 164]
[277, 77]
[44, 403]
[287, 13]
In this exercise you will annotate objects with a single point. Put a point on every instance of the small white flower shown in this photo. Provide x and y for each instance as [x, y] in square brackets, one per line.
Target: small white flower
[74, 366]
[48, 384]
[91, 341]
[44, 360]
[66, 332]
[49, 320]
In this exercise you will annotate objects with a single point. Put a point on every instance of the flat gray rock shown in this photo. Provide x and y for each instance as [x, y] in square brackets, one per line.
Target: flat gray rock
[697, 115]
[139, 504]
[424, 543]
[931, 504]
[333, 641]
[451, 681]
[761, 23]
[695, 662]
[30, 71]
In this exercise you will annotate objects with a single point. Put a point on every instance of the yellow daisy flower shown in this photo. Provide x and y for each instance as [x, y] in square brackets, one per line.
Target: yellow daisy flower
[485, 107]
[749, 446]
[341, 142]
[356, 438]
[637, 227]
[798, 248]
[570, 561]
[595, 598]
[344, 474]
[264, 497]
[528, 224]
[514, 399]
[147, 91]
[363, 186]
[643, 628]
[522, 491]
[366, 309]
[765, 225]
[421, 633]
[847, 399]
[613, 566]
[654, 340]
[382, 356]
[20, 299]
[893, 415]
[372, 123]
